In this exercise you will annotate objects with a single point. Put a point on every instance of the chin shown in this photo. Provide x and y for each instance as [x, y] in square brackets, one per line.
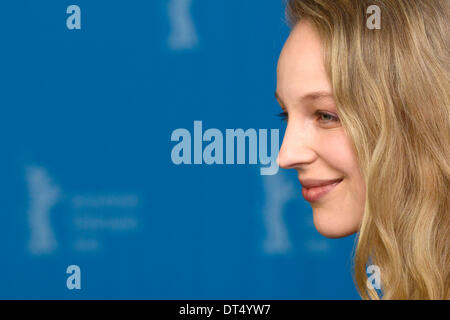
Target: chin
[334, 226]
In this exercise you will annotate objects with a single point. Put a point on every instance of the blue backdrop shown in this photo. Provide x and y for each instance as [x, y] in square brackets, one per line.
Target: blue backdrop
[87, 177]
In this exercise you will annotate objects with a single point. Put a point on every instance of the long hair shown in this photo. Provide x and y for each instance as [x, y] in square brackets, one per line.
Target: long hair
[392, 91]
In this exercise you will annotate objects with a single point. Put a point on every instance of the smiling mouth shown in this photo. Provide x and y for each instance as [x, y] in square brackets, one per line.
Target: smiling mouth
[314, 194]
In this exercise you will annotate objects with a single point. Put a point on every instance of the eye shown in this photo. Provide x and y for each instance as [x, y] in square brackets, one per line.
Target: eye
[326, 117]
[323, 117]
[283, 116]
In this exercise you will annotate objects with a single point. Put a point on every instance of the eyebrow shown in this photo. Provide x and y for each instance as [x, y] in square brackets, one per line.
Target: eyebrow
[309, 96]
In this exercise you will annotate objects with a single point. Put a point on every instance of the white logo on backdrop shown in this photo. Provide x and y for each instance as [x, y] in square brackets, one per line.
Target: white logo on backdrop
[88, 216]
[43, 196]
[278, 191]
[183, 35]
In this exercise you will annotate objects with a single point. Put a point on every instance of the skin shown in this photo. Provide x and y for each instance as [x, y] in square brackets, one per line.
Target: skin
[316, 145]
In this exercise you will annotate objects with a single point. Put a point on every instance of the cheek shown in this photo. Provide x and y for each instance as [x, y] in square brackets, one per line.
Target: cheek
[340, 155]
[337, 151]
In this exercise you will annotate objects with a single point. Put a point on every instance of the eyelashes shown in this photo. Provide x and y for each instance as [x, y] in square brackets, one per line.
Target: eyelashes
[320, 114]
[283, 116]
[331, 117]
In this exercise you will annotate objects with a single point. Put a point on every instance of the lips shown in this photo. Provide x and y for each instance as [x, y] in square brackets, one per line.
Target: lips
[313, 190]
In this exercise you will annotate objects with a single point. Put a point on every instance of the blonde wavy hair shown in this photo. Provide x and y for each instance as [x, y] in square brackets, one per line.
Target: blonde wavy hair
[392, 90]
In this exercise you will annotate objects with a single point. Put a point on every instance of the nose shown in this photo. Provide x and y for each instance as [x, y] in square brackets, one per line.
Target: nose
[296, 149]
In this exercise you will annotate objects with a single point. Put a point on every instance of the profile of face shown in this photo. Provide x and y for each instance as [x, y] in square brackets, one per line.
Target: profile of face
[315, 143]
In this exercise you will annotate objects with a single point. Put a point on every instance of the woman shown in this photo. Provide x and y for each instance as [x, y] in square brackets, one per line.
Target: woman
[368, 131]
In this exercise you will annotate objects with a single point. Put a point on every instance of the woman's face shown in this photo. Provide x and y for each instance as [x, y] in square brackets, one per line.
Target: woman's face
[315, 144]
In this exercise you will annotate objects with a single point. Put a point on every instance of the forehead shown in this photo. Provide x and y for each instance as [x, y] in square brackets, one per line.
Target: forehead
[300, 67]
